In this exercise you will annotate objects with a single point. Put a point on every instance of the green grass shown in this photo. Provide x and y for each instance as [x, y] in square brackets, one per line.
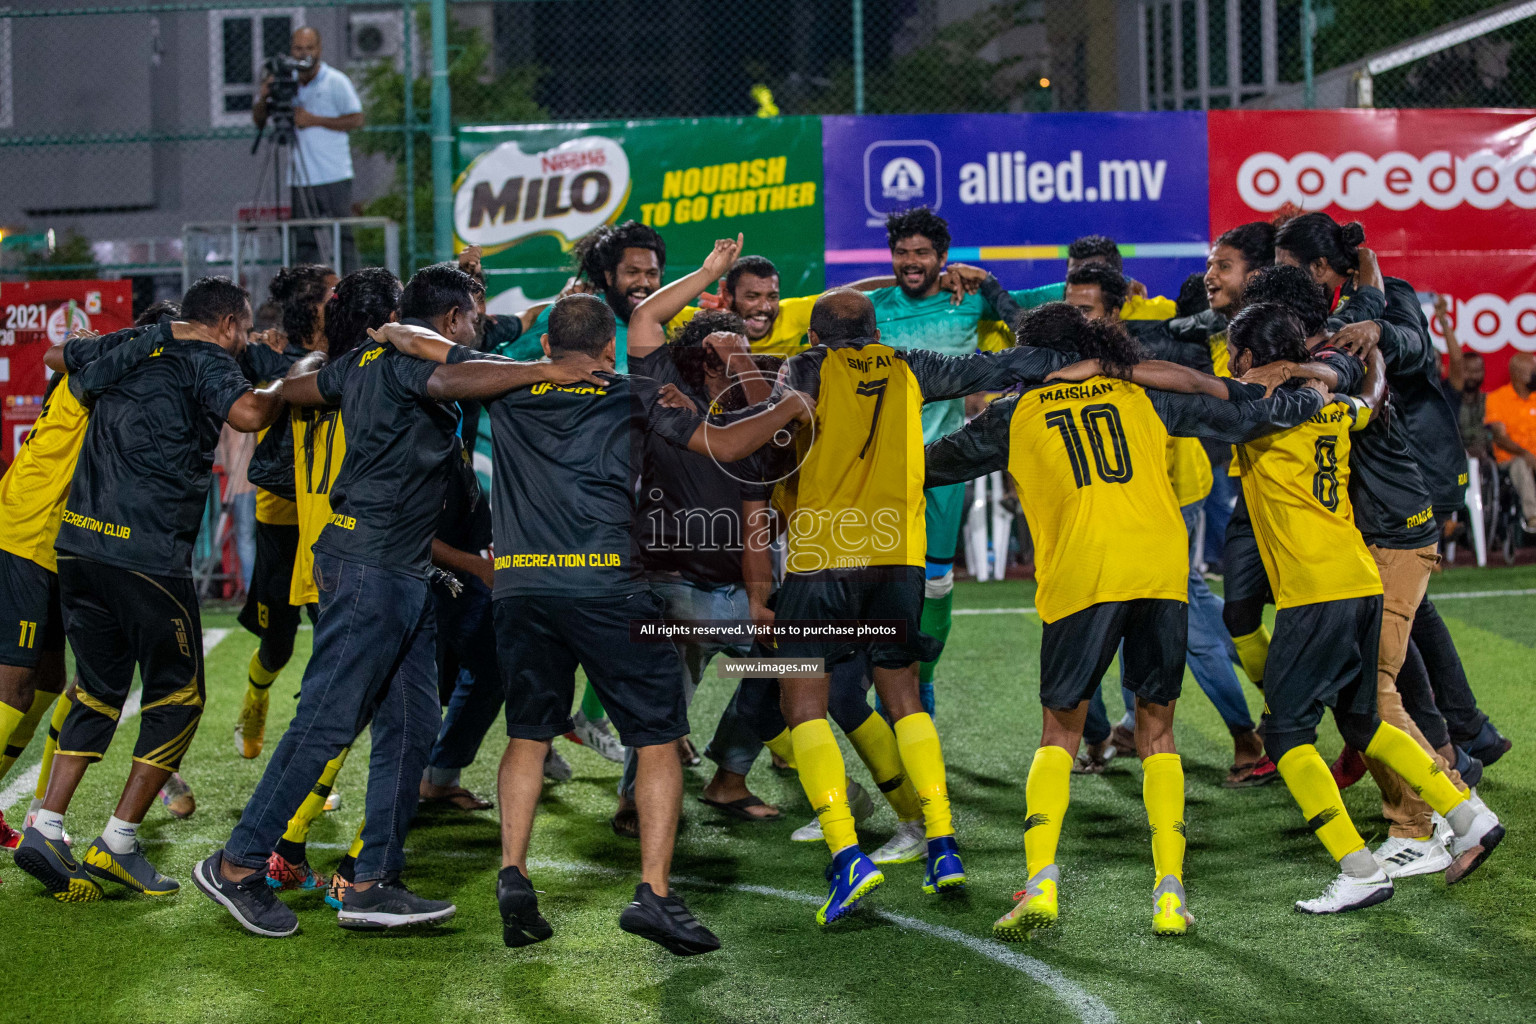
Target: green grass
[1431, 954]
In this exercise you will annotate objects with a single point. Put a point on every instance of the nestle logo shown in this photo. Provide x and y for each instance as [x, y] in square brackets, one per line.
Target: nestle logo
[572, 161]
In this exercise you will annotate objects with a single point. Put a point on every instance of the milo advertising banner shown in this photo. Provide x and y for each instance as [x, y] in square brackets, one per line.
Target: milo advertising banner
[525, 194]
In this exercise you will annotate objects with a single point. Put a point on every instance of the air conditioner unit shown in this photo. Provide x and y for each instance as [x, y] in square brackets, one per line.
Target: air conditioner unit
[374, 36]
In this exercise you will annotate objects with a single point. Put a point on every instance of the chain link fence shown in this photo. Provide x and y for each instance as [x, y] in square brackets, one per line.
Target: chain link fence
[121, 123]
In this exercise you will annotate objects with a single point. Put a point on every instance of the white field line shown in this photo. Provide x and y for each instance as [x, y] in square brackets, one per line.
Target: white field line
[25, 783]
[1454, 596]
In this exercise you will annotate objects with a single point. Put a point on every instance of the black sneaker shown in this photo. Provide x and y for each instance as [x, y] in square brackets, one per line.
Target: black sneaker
[252, 902]
[521, 922]
[390, 905]
[51, 862]
[667, 922]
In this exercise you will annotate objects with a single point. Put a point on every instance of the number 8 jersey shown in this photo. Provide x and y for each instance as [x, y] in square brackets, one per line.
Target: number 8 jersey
[1296, 485]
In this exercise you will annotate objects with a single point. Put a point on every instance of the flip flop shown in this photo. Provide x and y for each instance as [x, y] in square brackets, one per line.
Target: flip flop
[738, 808]
[460, 799]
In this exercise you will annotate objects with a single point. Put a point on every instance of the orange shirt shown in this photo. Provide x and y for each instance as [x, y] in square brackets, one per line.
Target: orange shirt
[1518, 416]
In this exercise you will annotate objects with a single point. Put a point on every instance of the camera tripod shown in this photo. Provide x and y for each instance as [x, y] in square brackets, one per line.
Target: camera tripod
[282, 151]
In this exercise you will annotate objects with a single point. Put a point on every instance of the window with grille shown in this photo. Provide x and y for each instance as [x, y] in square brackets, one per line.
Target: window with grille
[238, 43]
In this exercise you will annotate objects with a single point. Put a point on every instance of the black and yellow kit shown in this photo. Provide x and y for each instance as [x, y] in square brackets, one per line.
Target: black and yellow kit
[1327, 590]
[268, 612]
[125, 545]
[319, 443]
[858, 524]
[401, 442]
[1430, 432]
[32, 495]
[569, 577]
[1089, 463]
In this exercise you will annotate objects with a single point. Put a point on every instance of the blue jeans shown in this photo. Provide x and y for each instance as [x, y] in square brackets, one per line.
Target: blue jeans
[374, 662]
[734, 746]
[466, 638]
[242, 524]
[1208, 655]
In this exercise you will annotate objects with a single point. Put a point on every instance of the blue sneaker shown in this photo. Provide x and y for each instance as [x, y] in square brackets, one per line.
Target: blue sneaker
[853, 876]
[945, 873]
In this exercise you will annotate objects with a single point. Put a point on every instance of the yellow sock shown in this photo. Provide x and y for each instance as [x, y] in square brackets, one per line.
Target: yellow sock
[876, 744]
[1162, 790]
[356, 848]
[10, 721]
[783, 746]
[1253, 652]
[918, 742]
[824, 778]
[51, 746]
[1047, 792]
[1306, 775]
[260, 677]
[1397, 750]
[314, 804]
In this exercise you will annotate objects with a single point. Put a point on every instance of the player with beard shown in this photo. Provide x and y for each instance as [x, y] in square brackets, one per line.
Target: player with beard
[1392, 320]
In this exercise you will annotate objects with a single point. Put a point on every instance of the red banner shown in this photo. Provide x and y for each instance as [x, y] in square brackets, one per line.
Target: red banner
[1447, 198]
[34, 315]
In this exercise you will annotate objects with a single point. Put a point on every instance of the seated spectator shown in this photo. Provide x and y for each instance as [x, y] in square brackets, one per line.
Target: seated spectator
[1511, 416]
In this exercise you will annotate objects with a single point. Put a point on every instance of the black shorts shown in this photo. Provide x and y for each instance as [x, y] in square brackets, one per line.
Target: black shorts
[31, 619]
[853, 595]
[121, 619]
[1242, 570]
[266, 603]
[1321, 655]
[540, 639]
[1076, 651]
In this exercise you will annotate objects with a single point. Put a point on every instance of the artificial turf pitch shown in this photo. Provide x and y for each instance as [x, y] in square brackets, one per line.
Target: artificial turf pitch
[1466, 954]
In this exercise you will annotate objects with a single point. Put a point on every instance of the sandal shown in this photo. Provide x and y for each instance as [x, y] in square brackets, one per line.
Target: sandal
[460, 799]
[738, 808]
[1251, 773]
[626, 823]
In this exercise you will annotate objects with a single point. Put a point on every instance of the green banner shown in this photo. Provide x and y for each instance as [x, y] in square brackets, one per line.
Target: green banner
[526, 193]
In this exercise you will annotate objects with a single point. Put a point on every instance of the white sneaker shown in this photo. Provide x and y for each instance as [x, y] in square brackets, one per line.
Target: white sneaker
[333, 802]
[1401, 857]
[1346, 892]
[30, 821]
[595, 734]
[1469, 850]
[910, 843]
[556, 768]
[859, 803]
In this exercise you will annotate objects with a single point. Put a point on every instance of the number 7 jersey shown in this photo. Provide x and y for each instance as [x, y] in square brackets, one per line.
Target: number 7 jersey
[318, 446]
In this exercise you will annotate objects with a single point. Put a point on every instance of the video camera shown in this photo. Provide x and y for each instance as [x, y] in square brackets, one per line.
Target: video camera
[285, 71]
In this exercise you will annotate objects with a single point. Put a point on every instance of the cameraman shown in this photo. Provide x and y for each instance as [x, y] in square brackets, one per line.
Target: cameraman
[324, 110]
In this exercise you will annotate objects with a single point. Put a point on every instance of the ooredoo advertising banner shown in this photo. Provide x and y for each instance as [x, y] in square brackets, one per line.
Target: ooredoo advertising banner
[1017, 188]
[527, 193]
[34, 315]
[1447, 199]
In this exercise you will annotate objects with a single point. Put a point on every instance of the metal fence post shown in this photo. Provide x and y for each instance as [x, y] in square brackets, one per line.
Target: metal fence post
[409, 129]
[1308, 36]
[858, 56]
[442, 137]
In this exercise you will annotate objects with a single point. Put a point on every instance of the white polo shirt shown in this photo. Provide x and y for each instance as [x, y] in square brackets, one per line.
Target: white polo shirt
[322, 154]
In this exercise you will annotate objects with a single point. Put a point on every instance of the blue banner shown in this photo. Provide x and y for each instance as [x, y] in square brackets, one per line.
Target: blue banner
[1017, 188]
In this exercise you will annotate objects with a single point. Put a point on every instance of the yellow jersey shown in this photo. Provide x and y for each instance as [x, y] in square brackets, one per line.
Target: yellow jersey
[1296, 485]
[1189, 470]
[788, 334]
[35, 488]
[1102, 531]
[858, 495]
[318, 446]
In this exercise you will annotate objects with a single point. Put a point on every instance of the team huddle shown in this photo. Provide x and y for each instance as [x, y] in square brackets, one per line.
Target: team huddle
[665, 453]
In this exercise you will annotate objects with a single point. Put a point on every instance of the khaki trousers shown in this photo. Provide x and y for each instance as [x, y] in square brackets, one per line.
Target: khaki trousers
[1404, 579]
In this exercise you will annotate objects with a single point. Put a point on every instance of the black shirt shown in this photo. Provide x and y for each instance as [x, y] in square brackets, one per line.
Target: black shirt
[567, 461]
[465, 522]
[271, 466]
[690, 505]
[145, 468]
[1430, 431]
[389, 491]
